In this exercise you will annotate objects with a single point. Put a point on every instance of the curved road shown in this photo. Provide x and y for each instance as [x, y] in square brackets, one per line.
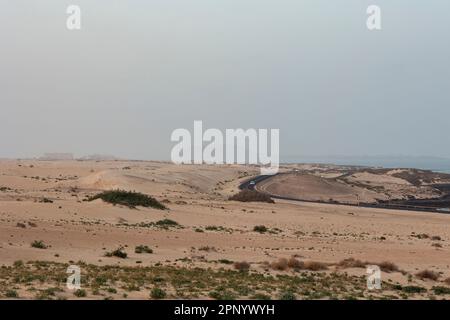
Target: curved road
[247, 185]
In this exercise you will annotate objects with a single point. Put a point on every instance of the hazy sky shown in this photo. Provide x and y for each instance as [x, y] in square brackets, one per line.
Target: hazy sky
[137, 70]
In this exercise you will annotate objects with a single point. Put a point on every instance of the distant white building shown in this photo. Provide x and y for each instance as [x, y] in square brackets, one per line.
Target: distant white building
[99, 157]
[57, 156]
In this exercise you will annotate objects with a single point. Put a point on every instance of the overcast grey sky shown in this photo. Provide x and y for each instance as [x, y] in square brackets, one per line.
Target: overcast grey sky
[139, 69]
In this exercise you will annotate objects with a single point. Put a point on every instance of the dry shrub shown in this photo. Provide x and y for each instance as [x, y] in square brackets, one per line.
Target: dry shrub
[281, 264]
[251, 196]
[427, 274]
[315, 265]
[351, 263]
[388, 266]
[242, 266]
[295, 264]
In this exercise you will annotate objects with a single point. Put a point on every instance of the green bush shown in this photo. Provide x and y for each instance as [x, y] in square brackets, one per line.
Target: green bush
[38, 244]
[80, 293]
[11, 294]
[143, 249]
[413, 289]
[260, 229]
[222, 295]
[287, 295]
[158, 293]
[130, 199]
[441, 290]
[166, 223]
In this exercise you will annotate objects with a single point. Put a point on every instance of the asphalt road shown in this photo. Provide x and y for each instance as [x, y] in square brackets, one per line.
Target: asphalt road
[258, 179]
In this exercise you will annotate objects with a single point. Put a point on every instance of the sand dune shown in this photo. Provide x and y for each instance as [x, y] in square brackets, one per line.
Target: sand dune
[197, 199]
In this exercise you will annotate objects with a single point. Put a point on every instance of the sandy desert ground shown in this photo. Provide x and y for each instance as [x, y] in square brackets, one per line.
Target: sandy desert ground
[45, 201]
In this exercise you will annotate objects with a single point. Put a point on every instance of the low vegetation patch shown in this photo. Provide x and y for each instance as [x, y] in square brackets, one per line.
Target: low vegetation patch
[143, 249]
[218, 228]
[158, 293]
[283, 264]
[287, 295]
[427, 274]
[241, 266]
[166, 223]
[118, 253]
[45, 200]
[280, 265]
[251, 196]
[387, 266]
[260, 229]
[160, 224]
[39, 244]
[47, 280]
[80, 293]
[413, 289]
[441, 290]
[352, 263]
[130, 199]
[11, 294]
[315, 265]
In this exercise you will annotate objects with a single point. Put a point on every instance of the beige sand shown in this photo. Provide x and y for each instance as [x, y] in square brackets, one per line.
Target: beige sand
[196, 195]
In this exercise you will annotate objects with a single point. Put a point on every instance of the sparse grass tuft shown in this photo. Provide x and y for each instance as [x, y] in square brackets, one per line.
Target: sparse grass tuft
[413, 289]
[38, 244]
[225, 261]
[80, 293]
[11, 294]
[166, 223]
[143, 249]
[260, 229]
[158, 293]
[287, 295]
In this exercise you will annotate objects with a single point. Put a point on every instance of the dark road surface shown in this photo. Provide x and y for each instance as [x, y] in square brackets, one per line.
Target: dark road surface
[427, 205]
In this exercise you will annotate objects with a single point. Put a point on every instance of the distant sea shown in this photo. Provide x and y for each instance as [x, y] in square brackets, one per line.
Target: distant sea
[426, 163]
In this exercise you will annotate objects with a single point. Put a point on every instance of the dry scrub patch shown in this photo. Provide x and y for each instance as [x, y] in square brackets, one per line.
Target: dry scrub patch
[47, 280]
